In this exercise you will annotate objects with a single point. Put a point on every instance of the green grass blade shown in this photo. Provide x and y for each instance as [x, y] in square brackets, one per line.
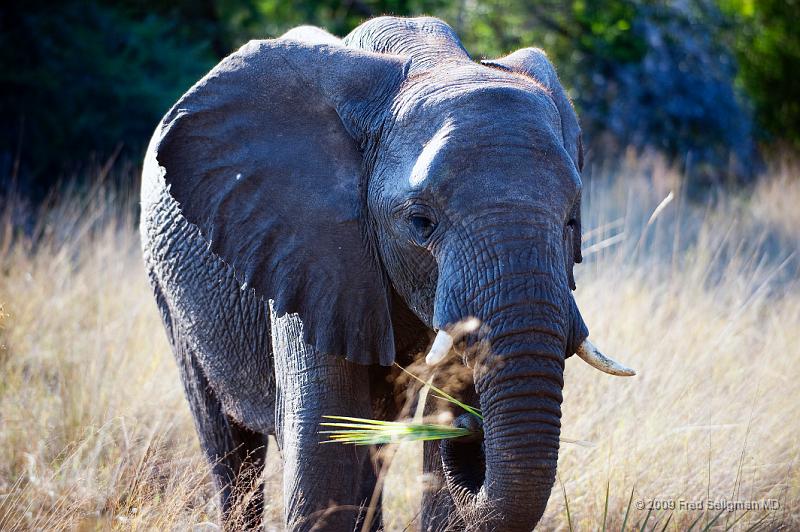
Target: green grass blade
[605, 507]
[669, 518]
[361, 420]
[359, 431]
[646, 519]
[358, 426]
[711, 523]
[694, 523]
[757, 524]
[627, 510]
[386, 438]
[730, 527]
[442, 394]
[566, 503]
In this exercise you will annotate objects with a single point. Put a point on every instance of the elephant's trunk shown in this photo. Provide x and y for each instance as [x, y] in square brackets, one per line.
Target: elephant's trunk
[528, 316]
[521, 403]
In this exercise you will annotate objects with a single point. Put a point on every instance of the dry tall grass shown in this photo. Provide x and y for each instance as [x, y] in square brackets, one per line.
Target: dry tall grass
[704, 300]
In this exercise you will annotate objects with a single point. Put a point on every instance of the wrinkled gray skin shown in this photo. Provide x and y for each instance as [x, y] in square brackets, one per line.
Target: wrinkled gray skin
[314, 208]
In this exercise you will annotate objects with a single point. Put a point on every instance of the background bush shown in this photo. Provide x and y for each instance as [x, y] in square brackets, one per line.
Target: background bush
[702, 81]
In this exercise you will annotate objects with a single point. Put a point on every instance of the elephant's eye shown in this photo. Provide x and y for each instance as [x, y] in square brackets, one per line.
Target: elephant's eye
[422, 228]
[572, 222]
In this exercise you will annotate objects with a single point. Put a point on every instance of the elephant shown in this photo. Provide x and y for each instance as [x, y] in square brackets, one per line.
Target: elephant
[316, 209]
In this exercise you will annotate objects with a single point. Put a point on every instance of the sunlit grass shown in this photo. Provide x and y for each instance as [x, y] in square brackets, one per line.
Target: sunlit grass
[705, 304]
[704, 301]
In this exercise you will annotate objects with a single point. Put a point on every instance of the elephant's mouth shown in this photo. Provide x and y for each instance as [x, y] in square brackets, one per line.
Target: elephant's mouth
[464, 458]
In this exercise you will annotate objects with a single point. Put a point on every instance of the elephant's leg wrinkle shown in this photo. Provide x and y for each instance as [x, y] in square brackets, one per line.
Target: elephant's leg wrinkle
[326, 487]
[237, 455]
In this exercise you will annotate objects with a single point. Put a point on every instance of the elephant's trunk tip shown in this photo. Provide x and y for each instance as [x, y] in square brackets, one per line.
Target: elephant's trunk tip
[592, 356]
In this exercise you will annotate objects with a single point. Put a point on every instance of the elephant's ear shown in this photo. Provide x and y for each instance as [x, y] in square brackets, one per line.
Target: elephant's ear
[263, 156]
[533, 62]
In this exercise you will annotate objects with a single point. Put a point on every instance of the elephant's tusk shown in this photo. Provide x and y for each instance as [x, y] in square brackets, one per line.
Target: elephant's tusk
[444, 341]
[441, 346]
[592, 356]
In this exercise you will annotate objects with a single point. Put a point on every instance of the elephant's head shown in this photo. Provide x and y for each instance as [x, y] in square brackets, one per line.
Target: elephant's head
[335, 176]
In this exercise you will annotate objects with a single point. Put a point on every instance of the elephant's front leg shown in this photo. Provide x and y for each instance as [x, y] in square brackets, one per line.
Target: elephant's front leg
[325, 486]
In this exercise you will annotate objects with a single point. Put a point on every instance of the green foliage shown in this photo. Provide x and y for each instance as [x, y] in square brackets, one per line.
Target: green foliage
[361, 431]
[86, 79]
[647, 75]
[765, 37]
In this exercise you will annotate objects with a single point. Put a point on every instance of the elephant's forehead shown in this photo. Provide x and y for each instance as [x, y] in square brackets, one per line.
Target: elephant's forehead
[474, 94]
[458, 149]
[524, 173]
[454, 118]
[457, 168]
[477, 134]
